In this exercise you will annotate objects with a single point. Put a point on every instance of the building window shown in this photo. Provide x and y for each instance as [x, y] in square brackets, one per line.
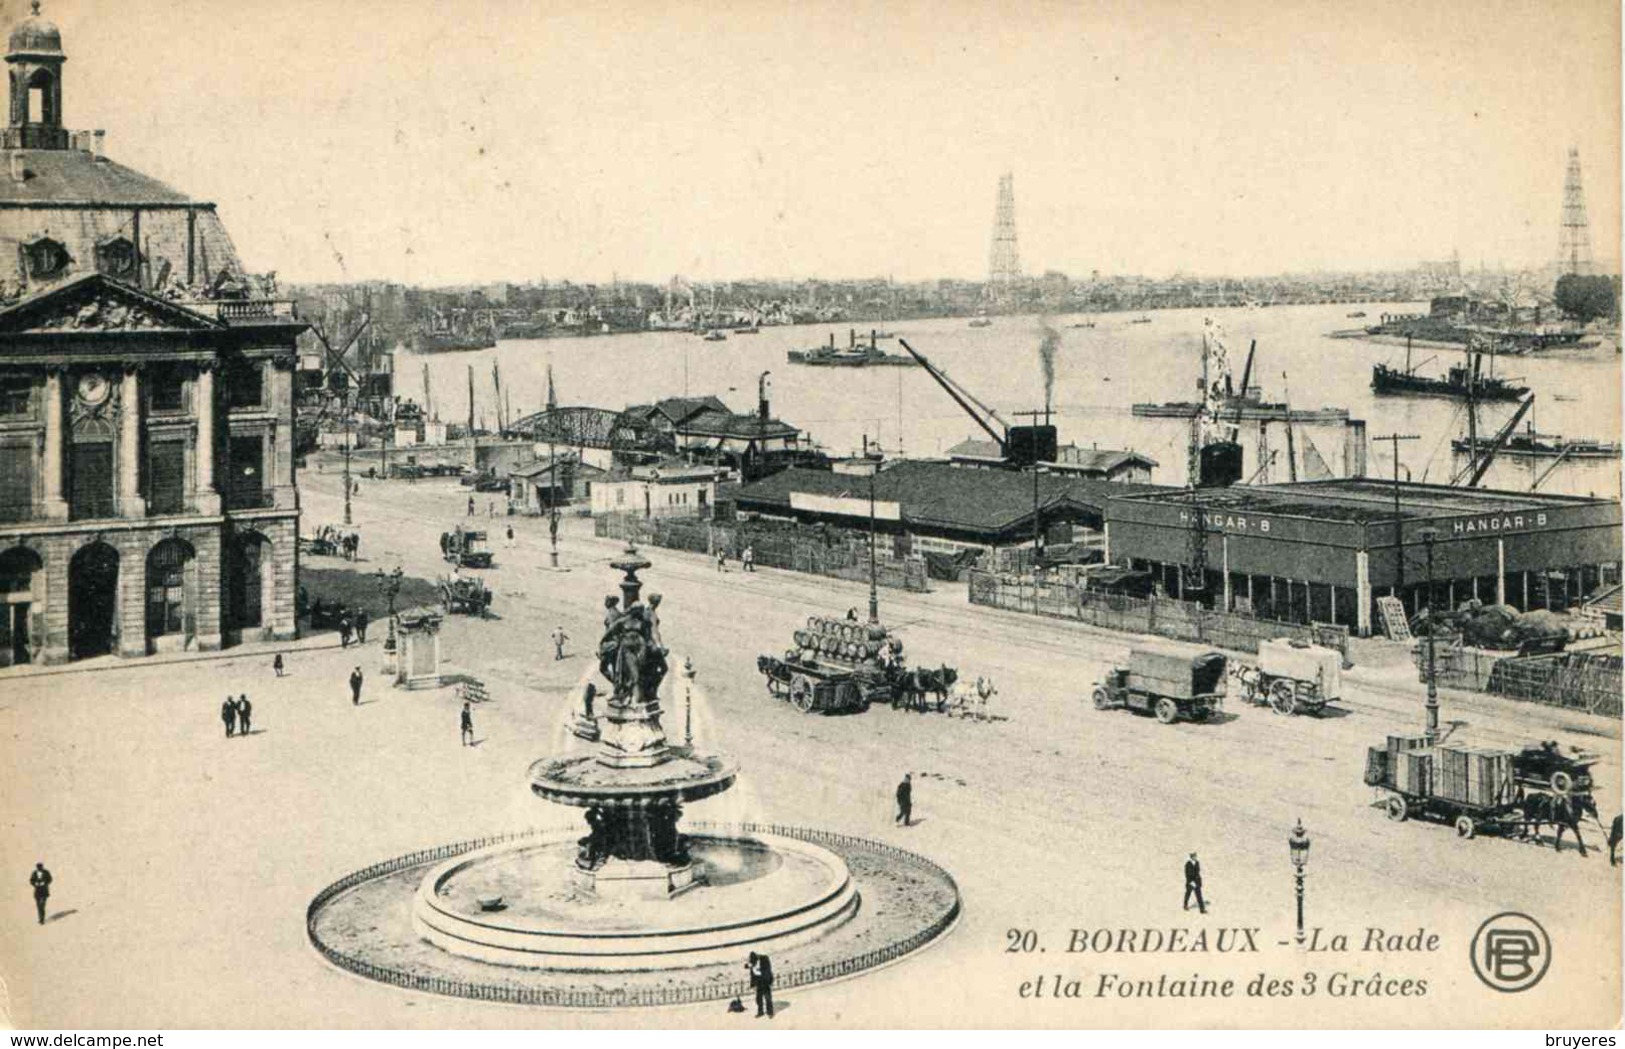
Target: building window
[166, 587]
[16, 482]
[45, 258]
[245, 384]
[116, 258]
[166, 388]
[245, 484]
[16, 394]
[166, 477]
[91, 493]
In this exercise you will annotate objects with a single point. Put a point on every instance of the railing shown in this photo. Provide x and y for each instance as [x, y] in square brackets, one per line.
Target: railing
[246, 309]
[1571, 680]
[844, 556]
[1163, 616]
[616, 997]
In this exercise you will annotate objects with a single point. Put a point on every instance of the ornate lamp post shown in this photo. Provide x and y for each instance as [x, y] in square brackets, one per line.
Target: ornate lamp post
[1429, 537]
[1298, 848]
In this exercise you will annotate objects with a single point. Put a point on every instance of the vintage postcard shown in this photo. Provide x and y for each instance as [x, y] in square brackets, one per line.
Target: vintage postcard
[825, 515]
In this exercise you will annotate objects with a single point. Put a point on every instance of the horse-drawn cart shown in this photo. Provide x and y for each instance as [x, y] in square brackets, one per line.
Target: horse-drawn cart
[1292, 677]
[841, 666]
[465, 596]
[1167, 679]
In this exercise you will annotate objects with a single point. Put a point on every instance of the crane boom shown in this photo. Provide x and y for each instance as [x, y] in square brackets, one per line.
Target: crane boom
[962, 397]
[1474, 471]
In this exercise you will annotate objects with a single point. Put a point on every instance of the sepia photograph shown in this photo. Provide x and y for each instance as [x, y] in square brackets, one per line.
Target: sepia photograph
[745, 515]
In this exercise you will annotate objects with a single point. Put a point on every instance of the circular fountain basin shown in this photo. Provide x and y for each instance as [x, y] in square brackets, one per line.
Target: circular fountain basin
[585, 782]
[761, 892]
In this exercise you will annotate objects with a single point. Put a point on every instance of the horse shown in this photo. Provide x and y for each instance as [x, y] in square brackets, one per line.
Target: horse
[936, 682]
[1562, 812]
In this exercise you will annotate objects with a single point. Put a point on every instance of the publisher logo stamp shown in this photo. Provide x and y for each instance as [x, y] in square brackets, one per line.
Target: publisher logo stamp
[1511, 952]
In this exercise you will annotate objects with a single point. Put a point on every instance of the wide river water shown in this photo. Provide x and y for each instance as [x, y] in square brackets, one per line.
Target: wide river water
[1100, 373]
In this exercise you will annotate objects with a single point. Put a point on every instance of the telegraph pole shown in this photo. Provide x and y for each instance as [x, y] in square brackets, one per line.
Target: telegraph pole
[1399, 533]
[349, 420]
[1429, 537]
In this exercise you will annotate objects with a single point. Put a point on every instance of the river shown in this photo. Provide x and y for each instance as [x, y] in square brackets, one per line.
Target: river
[1100, 373]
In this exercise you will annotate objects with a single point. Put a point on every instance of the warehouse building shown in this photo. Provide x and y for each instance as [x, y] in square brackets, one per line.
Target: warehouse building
[1324, 551]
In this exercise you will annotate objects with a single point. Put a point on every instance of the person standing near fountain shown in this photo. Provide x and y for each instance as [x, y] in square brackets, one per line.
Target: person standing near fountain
[905, 799]
[760, 968]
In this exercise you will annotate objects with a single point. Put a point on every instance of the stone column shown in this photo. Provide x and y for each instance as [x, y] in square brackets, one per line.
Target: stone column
[279, 466]
[1362, 593]
[1224, 557]
[56, 505]
[1500, 571]
[208, 498]
[130, 502]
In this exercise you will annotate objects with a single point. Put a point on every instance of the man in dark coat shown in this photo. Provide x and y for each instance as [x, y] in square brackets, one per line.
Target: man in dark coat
[1615, 833]
[760, 968]
[40, 879]
[228, 714]
[355, 687]
[1193, 884]
[468, 724]
[905, 799]
[245, 714]
[361, 626]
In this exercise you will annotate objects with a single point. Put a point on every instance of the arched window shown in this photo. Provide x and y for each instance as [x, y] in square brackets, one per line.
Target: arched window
[45, 258]
[40, 102]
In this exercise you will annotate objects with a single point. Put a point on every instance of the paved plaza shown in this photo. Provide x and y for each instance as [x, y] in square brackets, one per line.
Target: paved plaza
[184, 861]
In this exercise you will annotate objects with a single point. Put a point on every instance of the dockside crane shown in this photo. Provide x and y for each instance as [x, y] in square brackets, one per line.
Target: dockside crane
[983, 416]
[1478, 464]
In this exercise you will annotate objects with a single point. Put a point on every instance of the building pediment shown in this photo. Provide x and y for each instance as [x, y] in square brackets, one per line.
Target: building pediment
[97, 304]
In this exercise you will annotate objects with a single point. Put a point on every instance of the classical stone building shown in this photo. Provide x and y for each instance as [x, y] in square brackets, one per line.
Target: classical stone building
[147, 498]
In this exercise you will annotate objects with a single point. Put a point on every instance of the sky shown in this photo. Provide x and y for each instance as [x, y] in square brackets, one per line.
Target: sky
[449, 142]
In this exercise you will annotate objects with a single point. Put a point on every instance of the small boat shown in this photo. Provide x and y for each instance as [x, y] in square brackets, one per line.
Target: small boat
[715, 335]
[752, 330]
[1455, 383]
[1144, 318]
[1532, 445]
[1357, 313]
[855, 355]
[982, 322]
[1087, 322]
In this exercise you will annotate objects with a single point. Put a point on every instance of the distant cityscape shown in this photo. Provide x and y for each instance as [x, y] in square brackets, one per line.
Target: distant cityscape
[454, 317]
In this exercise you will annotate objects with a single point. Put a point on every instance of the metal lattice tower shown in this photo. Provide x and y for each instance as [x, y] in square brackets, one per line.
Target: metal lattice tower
[1004, 262]
[1574, 240]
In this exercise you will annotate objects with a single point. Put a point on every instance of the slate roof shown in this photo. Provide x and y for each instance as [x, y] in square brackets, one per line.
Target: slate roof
[1097, 460]
[938, 495]
[728, 424]
[74, 176]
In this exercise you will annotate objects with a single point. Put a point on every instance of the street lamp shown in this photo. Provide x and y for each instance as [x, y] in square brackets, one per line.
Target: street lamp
[1298, 848]
[553, 505]
[1429, 537]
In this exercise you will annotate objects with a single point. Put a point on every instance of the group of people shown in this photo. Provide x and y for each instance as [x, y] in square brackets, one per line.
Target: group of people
[356, 626]
[747, 559]
[348, 543]
[238, 715]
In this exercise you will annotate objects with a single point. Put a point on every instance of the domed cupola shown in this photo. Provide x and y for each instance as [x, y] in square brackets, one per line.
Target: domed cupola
[35, 56]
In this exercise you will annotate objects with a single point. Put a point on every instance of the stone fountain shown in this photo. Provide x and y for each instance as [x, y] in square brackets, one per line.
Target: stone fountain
[635, 892]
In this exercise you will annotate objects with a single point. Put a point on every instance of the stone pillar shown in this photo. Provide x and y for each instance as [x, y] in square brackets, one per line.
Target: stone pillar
[208, 498]
[209, 547]
[130, 502]
[1224, 557]
[1500, 571]
[57, 551]
[132, 595]
[56, 505]
[1362, 593]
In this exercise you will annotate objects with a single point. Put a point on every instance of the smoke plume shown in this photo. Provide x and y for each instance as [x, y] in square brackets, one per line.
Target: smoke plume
[1046, 357]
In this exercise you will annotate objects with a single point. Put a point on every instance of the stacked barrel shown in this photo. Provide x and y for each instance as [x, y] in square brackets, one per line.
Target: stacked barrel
[841, 641]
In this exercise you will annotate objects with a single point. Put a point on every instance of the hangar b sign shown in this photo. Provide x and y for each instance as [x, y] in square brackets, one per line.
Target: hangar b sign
[1498, 523]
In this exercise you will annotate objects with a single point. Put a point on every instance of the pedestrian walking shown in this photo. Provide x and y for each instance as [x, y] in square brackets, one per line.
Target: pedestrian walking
[510, 534]
[760, 968]
[245, 715]
[747, 559]
[490, 508]
[344, 630]
[276, 664]
[471, 506]
[361, 626]
[559, 638]
[355, 546]
[40, 879]
[355, 687]
[228, 714]
[468, 724]
[1615, 833]
[722, 560]
[1193, 884]
[905, 799]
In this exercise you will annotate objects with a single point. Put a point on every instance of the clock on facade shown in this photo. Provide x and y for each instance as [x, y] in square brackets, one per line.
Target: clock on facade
[93, 389]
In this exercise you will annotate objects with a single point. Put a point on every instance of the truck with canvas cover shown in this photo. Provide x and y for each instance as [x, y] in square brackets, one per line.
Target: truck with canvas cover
[1168, 679]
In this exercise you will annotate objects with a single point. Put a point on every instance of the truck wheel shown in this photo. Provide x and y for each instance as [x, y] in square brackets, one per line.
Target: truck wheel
[1562, 782]
[1282, 698]
[1167, 711]
[1103, 699]
[1397, 809]
[1465, 827]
